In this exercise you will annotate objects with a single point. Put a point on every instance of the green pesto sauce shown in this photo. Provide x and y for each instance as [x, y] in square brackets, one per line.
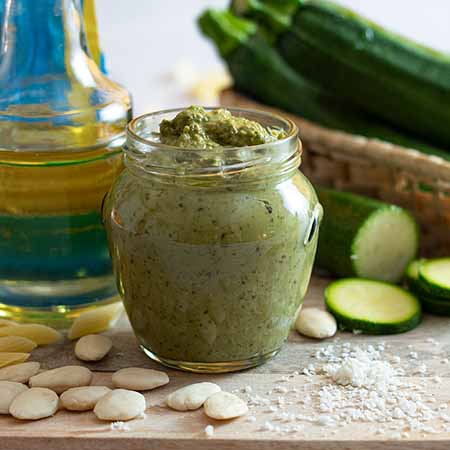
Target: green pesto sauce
[197, 128]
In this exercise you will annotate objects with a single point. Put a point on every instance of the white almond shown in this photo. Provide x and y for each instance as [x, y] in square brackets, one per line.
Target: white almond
[191, 397]
[138, 379]
[62, 378]
[120, 404]
[33, 404]
[316, 323]
[223, 406]
[92, 347]
[19, 373]
[83, 398]
[9, 390]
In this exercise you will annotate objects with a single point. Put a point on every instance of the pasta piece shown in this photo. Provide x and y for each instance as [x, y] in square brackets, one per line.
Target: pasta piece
[16, 344]
[10, 358]
[40, 334]
[95, 320]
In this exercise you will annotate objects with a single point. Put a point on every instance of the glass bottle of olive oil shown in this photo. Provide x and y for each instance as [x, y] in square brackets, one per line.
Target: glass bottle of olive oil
[62, 125]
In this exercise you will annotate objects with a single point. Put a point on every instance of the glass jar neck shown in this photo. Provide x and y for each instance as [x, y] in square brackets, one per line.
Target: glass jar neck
[146, 157]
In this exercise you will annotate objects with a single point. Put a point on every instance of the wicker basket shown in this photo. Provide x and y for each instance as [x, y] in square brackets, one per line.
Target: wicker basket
[391, 173]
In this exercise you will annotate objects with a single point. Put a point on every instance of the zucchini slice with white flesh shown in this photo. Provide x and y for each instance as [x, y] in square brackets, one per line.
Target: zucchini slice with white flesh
[373, 307]
[434, 277]
[365, 238]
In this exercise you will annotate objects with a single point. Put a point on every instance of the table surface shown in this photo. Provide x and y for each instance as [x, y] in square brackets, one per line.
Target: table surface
[166, 429]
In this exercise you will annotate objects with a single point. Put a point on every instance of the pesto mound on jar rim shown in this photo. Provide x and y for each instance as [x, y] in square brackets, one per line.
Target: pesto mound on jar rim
[213, 249]
[197, 128]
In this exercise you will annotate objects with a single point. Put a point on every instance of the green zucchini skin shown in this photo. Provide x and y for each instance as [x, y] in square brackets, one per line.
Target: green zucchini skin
[412, 277]
[431, 288]
[435, 306]
[354, 324]
[259, 71]
[351, 323]
[389, 76]
[344, 215]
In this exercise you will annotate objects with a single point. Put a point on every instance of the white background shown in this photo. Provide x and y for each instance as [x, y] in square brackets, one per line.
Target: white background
[144, 40]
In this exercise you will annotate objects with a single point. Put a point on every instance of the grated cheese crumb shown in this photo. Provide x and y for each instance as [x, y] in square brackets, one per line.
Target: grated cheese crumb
[119, 426]
[209, 430]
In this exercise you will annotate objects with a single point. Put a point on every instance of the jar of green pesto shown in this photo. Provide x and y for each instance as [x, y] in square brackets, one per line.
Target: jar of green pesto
[212, 231]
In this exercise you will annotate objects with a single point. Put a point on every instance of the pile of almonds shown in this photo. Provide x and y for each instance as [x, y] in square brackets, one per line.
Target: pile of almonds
[28, 394]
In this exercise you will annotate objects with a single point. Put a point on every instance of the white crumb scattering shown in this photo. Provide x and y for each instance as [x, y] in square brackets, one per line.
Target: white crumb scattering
[209, 430]
[432, 341]
[421, 369]
[326, 421]
[280, 389]
[267, 426]
[120, 426]
[350, 384]
[247, 389]
[251, 419]
[356, 332]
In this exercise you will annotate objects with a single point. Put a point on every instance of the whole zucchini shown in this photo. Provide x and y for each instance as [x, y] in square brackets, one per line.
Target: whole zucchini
[387, 75]
[363, 237]
[258, 70]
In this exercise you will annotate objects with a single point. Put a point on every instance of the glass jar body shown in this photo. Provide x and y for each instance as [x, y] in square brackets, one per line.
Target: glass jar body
[212, 276]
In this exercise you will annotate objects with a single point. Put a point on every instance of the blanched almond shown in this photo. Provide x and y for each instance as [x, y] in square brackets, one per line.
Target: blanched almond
[33, 404]
[9, 390]
[40, 334]
[191, 397]
[95, 321]
[316, 323]
[224, 406]
[92, 347]
[138, 379]
[120, 404]
[62, 378]
[83, 398]
[20, 373]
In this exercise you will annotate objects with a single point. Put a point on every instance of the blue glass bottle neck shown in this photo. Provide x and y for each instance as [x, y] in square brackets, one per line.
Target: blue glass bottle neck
[39, 37]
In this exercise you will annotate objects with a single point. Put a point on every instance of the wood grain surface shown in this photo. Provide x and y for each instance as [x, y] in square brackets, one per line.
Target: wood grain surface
[164, 429]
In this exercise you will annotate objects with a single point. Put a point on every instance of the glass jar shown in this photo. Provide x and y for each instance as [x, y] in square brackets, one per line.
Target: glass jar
[212, 249]
[62, 126]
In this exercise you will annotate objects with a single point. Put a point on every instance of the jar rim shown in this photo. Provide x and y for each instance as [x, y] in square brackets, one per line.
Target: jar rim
[290, 128]
[147, 156]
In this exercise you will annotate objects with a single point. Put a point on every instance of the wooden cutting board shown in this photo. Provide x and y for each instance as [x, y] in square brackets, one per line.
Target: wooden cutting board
[163, 429]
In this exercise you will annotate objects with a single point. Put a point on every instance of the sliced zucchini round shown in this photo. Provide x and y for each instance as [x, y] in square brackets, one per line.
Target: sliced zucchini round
[435, 306]
[434, 277]
[385, 244]
[374, 307]
[412, 275]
